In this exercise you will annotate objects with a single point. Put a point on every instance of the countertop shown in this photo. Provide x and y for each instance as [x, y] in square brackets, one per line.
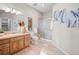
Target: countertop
[10, 35]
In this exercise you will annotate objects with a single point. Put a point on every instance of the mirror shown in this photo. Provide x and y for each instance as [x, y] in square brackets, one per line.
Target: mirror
[6, 21]
[9, 22]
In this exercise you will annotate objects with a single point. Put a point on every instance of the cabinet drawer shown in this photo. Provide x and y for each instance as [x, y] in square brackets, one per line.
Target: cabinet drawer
[27, 37]
[4, 41]
[4, 46]
[17, 38]
[5, 51]
[21, 37]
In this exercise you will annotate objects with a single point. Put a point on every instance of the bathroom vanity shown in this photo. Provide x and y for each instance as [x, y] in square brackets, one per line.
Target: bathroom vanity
[12, 43]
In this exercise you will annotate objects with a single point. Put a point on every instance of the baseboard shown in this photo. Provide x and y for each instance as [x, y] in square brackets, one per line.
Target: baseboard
[60, 48]
[56, 46]
[45, 39]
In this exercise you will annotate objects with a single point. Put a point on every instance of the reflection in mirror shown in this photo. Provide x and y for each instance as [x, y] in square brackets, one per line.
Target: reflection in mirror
[6, 19]
[29, 23]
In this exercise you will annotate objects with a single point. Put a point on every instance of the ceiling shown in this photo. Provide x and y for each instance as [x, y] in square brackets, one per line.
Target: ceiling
[41, 7]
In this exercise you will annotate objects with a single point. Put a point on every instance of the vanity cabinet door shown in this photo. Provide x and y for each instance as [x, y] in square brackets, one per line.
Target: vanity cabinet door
[21, 43]
[4, 49]
[14, 46]
[27, 40]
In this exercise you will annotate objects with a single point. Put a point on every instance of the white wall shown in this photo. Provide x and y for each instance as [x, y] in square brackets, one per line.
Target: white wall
[47, 15]
[61, 37]
[66, 39]
[27, 11]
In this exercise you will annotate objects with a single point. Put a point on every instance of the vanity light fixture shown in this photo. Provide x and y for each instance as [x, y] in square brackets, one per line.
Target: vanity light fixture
[18, 12]
[13, 10]
[7, 10]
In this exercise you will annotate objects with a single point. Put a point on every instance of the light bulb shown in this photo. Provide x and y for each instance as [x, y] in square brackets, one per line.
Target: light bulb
[7, 10]
[13, 11]
[18, 12]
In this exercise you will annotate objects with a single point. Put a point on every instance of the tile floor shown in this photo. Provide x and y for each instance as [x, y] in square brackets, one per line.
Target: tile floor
[42, 47]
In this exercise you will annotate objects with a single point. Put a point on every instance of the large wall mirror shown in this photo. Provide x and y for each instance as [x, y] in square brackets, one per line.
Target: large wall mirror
[7, 21]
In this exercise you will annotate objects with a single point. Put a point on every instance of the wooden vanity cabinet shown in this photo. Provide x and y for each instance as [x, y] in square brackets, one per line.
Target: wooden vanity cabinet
[4, 47]
[14, 44]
